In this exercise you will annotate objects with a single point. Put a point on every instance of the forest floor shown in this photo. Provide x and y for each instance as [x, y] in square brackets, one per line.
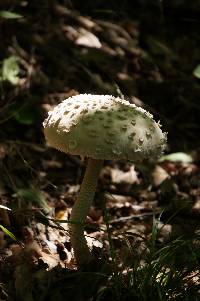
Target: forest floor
[144, 224]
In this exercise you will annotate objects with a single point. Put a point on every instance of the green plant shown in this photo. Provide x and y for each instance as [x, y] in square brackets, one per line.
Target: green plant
[6, 14]
[7, 232]
[10, 70]
[170, 272]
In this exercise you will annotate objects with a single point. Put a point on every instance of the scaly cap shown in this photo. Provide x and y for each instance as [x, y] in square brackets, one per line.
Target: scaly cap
[103, 127]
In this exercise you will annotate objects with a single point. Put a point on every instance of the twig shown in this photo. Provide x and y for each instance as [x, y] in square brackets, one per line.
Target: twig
[134, 216]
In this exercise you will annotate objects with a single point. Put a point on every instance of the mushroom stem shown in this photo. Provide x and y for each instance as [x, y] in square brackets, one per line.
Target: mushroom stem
[80, 210]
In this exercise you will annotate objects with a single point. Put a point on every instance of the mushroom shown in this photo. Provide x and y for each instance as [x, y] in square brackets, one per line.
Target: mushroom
[99, 127]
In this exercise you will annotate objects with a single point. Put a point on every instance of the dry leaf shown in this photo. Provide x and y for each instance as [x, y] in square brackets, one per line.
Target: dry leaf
[87, 39]
[159, 175]
[119, 176]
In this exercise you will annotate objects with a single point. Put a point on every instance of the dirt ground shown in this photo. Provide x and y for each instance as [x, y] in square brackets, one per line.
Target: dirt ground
[55, 49]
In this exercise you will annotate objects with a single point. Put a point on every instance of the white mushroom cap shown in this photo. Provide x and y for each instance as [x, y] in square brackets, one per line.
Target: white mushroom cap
[103, 127]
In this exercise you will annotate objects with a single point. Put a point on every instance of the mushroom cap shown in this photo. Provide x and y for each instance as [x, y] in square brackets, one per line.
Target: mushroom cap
[103, 127]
